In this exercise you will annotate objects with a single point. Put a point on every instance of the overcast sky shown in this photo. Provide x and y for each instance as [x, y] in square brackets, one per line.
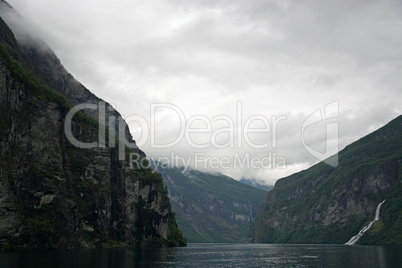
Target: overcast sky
[276, 60]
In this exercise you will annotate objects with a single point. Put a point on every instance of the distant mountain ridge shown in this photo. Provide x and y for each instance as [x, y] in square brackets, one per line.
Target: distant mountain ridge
[211, 208]
[324, 204]
[256, 184]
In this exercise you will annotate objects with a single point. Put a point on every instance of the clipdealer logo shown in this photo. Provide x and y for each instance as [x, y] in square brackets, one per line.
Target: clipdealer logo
[239, 132]
[329, 114]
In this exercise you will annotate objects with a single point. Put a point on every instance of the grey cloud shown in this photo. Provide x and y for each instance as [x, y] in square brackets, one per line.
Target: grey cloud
[277, 57]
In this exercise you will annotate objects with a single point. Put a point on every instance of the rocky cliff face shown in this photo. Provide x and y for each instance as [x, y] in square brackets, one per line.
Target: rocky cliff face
[40, 59]
[211, 208]
[56, 195]
[330, 205]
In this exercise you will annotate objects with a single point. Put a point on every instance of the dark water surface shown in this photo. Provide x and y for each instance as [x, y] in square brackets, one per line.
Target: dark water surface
[211, 255]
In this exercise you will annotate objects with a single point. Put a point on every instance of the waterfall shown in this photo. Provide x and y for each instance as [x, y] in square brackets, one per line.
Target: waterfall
[356, 238]
[377, 211]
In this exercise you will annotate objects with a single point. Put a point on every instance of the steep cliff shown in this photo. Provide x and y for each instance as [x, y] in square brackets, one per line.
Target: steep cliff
[330, 205]
[40, 59]
[211, 208]
[56, 195]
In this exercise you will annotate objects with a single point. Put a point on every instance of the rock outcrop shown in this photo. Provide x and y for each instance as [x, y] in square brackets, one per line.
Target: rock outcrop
[54, 194]
[330, 205]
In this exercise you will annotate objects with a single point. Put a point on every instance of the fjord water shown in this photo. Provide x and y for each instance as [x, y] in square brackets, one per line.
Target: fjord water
[211, 255]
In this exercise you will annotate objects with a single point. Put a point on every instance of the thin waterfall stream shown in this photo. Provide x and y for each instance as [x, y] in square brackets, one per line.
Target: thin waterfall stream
[356, 238]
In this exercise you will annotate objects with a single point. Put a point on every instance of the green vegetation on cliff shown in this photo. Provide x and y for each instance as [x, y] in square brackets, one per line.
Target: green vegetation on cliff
[324, 204]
